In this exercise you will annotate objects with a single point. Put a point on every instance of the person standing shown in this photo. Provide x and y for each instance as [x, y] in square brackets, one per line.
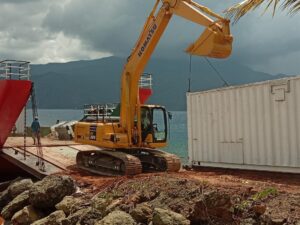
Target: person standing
[146, 123]
[36, 131]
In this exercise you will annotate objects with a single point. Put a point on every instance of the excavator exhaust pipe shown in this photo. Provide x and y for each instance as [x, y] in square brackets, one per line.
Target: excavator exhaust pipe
[212, 44]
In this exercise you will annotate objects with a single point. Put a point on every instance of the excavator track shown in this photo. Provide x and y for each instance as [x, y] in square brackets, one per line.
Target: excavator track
[126, 162]
[154, 160]
[108, 163]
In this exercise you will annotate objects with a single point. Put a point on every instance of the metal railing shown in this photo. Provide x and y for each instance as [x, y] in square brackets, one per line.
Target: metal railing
[99, 110]
[14, 70]
[146, 81]
[103, 112]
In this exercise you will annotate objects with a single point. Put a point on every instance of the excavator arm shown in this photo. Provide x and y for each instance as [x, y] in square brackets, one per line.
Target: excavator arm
[215, 42]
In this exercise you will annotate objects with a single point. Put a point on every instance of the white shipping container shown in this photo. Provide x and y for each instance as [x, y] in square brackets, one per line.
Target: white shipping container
[254, 126]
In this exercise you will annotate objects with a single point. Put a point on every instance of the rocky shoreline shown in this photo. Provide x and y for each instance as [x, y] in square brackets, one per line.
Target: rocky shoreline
[156, 200]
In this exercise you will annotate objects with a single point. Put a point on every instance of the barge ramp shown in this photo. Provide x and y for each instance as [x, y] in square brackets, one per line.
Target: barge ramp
[58, 156]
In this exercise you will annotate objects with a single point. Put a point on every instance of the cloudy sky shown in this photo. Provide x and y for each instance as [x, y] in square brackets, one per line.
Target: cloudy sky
[43, 31]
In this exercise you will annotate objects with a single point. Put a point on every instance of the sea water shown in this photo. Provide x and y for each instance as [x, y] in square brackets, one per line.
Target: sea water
[177, 137]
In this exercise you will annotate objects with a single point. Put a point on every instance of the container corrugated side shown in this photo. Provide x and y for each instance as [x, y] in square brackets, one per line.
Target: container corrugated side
[255, 126]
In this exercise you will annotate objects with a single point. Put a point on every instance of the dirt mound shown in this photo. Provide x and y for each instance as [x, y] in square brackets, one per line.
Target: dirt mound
[196, 201]
[239, 201]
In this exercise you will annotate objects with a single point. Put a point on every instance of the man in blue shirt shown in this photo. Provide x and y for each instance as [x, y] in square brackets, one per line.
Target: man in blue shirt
[35, 129]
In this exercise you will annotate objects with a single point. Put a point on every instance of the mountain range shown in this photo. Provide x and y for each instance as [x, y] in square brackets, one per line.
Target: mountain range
[73, 84]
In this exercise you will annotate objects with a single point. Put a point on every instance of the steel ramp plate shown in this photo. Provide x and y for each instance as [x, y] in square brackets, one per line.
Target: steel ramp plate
[62, 156]
[29, 165]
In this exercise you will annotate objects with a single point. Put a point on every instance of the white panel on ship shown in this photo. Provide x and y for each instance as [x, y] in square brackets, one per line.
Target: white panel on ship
[255, 126]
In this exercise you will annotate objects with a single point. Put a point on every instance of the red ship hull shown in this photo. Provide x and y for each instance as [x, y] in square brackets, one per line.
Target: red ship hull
[14, 95]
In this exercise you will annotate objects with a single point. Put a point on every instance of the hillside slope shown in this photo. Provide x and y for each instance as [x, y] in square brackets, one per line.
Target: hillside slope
[72, 84]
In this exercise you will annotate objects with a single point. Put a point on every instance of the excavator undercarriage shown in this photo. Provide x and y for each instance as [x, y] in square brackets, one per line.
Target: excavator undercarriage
[111, 162]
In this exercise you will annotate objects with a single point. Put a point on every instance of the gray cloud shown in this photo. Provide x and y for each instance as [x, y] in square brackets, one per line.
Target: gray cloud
[17, 1]
[262, 40]
[62, 30]
[113, 26]
[107, 25]
[23, 35]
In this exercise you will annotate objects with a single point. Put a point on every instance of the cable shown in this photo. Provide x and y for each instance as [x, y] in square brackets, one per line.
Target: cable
[170, 116]
[217, 72]
[190, 74]
[210, 64]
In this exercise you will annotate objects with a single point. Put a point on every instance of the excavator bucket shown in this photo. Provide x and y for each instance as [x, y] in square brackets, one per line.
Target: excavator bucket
[212, 44]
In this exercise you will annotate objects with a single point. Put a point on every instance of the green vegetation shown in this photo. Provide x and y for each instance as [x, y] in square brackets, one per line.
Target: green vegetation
[259, 196]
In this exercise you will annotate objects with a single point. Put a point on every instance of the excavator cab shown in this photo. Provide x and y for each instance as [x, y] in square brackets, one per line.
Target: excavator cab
[154, 124]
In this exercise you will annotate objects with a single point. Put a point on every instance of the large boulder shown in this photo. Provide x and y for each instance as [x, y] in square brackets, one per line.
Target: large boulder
[50, 191]
[105, 205]
[15, 188]
[74, 218]
[117, 218]
[142, 213]
[4, 198]
[19, 187]
[5, 185]
[27, 216]
[90, 216]
[67, 204]
[101, 203]
[15, 205]
[168, 217]
[79, 206]
[54, 218]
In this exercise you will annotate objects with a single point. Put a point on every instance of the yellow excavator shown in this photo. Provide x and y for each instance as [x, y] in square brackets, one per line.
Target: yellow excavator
[129, 142]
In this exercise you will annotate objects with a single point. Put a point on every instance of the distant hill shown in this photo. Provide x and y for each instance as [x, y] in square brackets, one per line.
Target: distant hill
[73, 84]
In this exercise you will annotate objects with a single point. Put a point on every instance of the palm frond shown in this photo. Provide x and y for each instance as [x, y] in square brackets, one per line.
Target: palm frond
[289, 3]
[240, 9]
[292, 5]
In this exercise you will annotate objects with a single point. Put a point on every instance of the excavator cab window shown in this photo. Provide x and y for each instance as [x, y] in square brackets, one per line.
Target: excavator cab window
[159, 124]
[154, 122]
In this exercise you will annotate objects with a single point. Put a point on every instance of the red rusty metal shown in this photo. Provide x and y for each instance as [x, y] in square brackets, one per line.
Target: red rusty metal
[144, 94]
[14, 95]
